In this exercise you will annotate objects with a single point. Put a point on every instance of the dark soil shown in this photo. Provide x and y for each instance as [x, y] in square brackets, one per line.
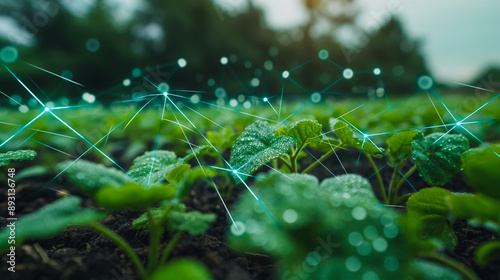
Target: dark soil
[83, 254]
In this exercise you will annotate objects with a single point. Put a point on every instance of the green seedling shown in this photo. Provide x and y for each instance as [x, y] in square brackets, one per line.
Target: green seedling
[6, 158]
[334, 230]
[140, 190]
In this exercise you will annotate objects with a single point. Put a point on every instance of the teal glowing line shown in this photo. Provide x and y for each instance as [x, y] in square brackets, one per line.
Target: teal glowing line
[154, 154]
[335, 64]
[73, 107]
[475, 111]
[199, 114]
[472, 86]
[331, 85]
[232, 171]
[390, 108]
[341, 116]
[26, 125]
[272, 107]
[359, 156]
[299, 85]
[281, 99]
[235, 76]
[258, 200]
[62, 171]
[444, 134]
[50, 147]
[179, 124]
[444, 105]
[84, 139]
[378, 171]
[39, 130]
[329, 171]
[52, 73]
[435, 108]
[139, 111]
[222, 107]
[13, 100]
[32, 94]
[393, 105]
[303, 64]
[388, 205]
[481, 142]
[406, 179]
[283, 121]
[426, 127]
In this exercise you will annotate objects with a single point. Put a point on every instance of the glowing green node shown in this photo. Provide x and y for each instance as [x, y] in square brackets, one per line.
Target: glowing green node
[9, 54]
[323, 54]
[92, 45]
[348, 74]
[425, 82]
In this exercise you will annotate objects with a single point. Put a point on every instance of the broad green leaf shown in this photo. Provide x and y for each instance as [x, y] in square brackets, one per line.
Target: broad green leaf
[151, 167]
[346, 136]
[195, 151]
[6, 158]
[487, 252]
[133, 196]
[49, 221]
[183, 177]
[193, 222]
[438, 156]
[433, 271]
[400, 146]
[353, 235]
[349, 186]
[326, 144]
[306, 132]
[258, 145]
[168, 206]
[184, 269]
[429, 208]
[469, 206]
[91, 177]
[481, 170]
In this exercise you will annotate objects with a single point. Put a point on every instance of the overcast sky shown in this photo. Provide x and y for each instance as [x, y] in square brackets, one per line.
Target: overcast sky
[460, 37]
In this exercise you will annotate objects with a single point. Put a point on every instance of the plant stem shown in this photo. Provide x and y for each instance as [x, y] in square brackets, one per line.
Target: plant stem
[379, 177]
[402, 198]
[155, 229]
[170, 246]
[392, 188]
[322, 158]
[451, 263]
[285, 163]
[118, 240]
[407, 174]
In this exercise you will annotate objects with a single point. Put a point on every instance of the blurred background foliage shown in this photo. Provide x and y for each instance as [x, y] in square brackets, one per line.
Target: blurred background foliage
[94, 47]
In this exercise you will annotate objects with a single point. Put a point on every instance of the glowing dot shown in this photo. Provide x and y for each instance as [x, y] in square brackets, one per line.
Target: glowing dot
[255, 82]
[285, 74]
[371, 232]
[241, 98]
[353, 263]
[195, 98]
[365, 135]
[211, 82]
[46, 109]
[379, 244]
[126, 82]
[355, 238]
[425, 82]
[182, 62]
[370, 275]
[268, 65]
[377, 71]
[23, 109]
[323, 54]
[136, 72]
[233, 102]
[247, 64]
[459, 123]
[165, 93]
[391, 263]
[220, 92]
[235, 171]
[316, 97]
[224, 60]
[247, 104]
[164, 86]
[265, 99]
[92, 45]
[9, 54]
[358, 213]
[290, 216]
[50, 104]
[67, 74]
[238, 228]
[348, 73]
[88, 97]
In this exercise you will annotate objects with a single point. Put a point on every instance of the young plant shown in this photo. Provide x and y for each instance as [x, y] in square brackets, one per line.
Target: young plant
[141, 189]
[6, 158]
[334, 230]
